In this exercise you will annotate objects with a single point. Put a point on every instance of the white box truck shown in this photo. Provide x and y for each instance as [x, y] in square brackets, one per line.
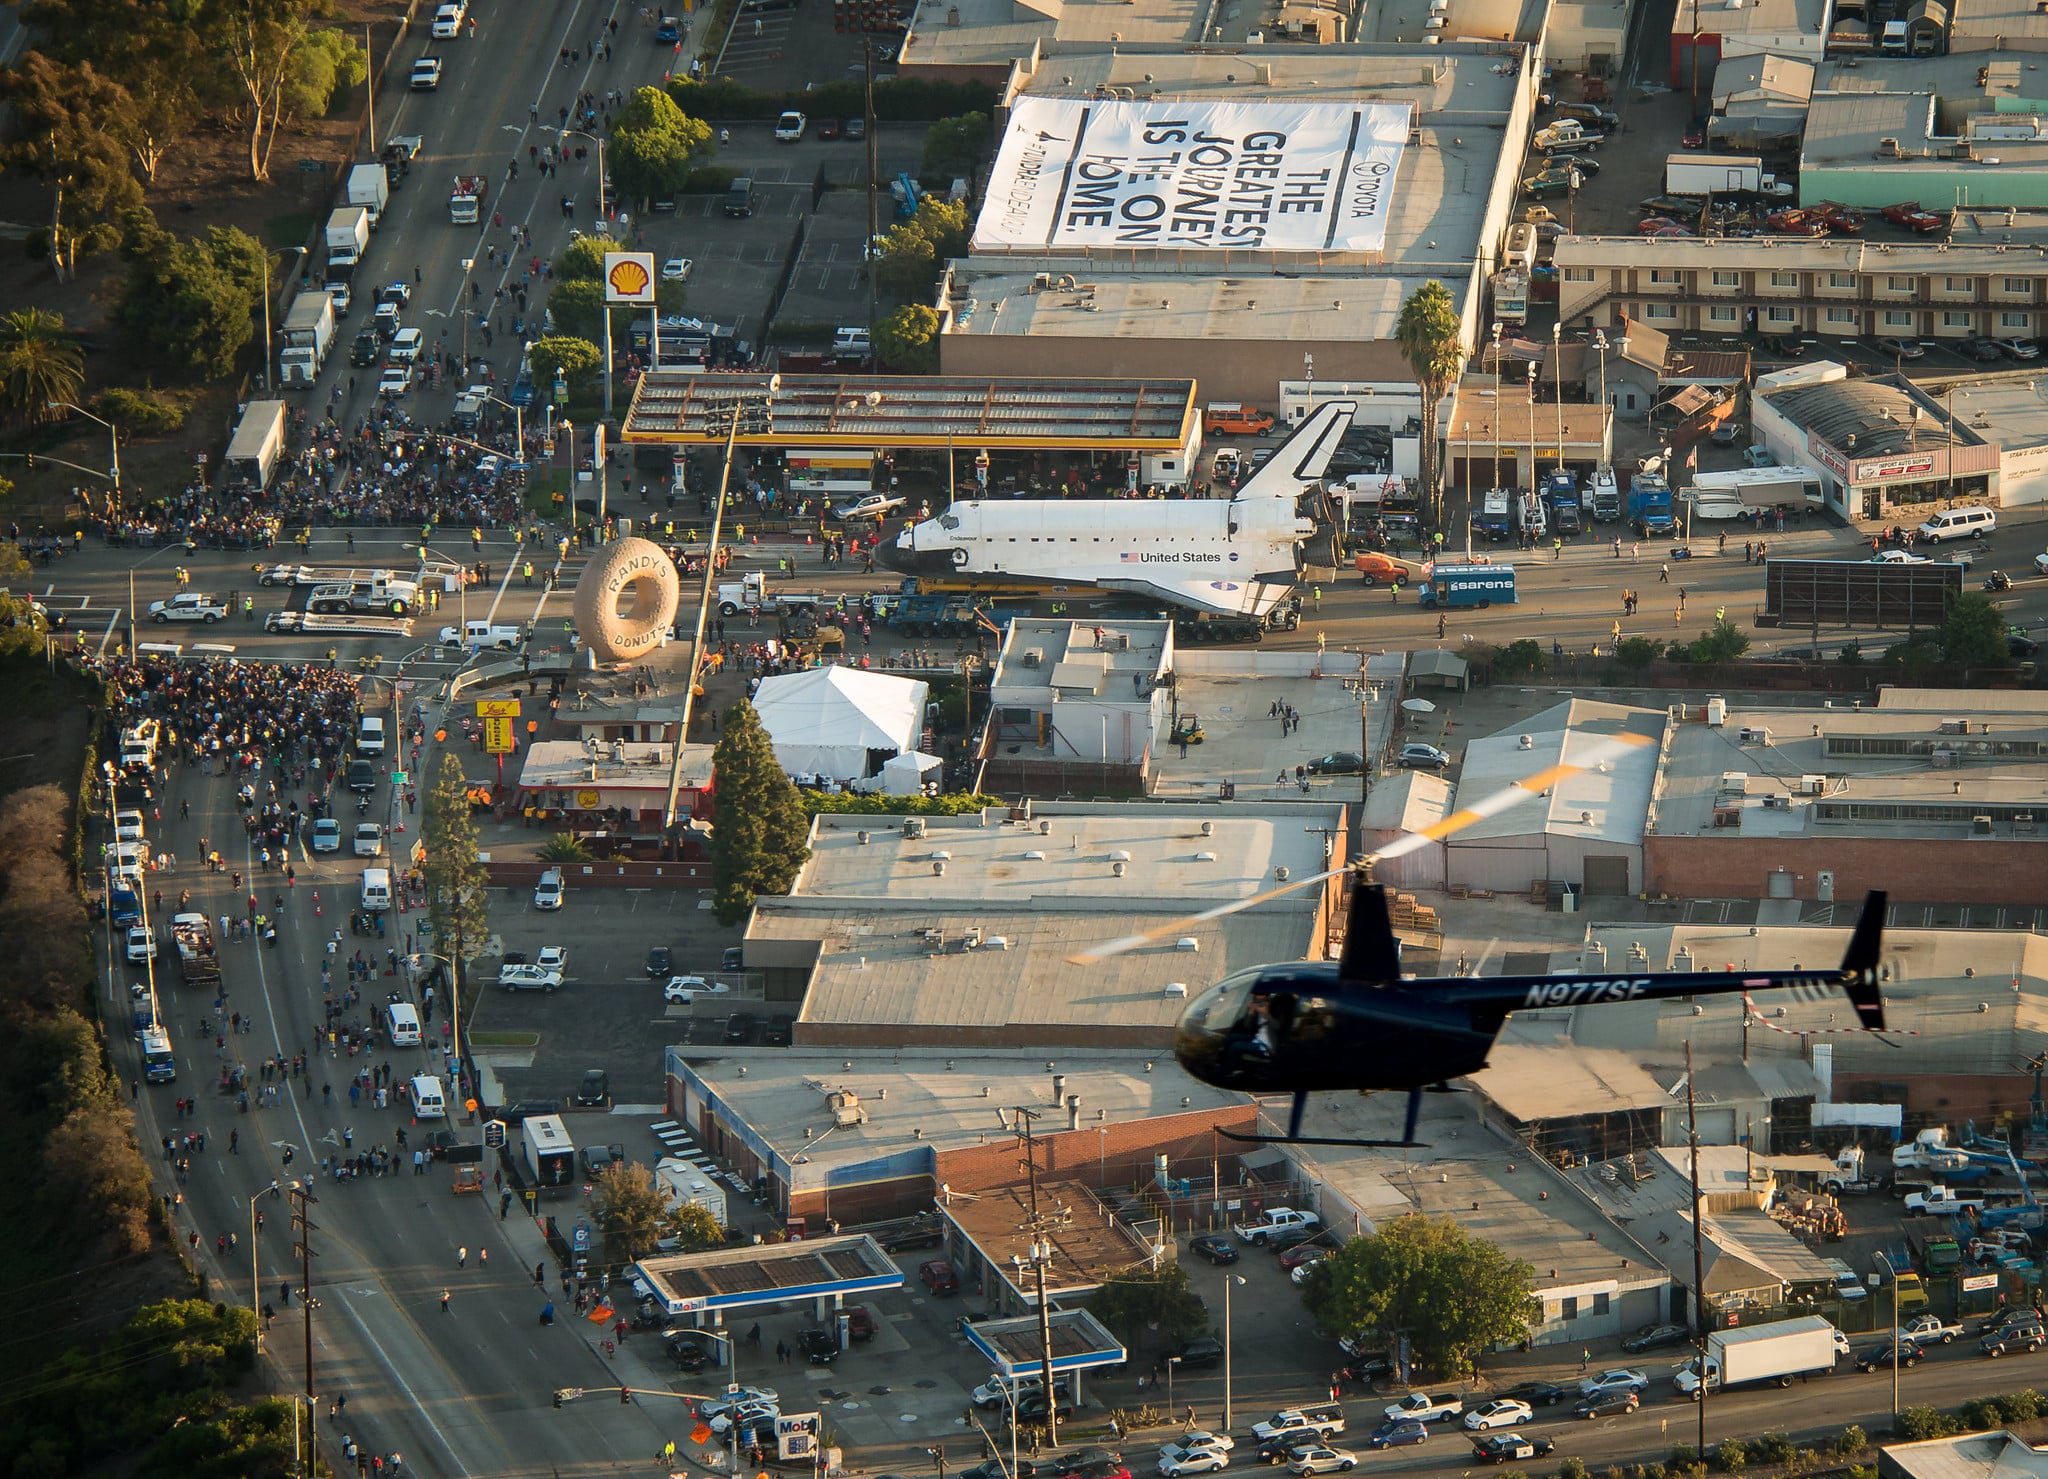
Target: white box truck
[308, 331]
[257, 445]
[546, 1151]
[1776, 1353]
[370, 188]
[1721, 174]
[348, 237]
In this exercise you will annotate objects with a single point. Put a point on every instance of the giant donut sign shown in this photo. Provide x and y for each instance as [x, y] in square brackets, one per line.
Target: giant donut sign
[626, 600]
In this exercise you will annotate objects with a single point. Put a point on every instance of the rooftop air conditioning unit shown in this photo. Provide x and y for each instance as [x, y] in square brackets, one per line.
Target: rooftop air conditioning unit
[1734, 782]
[1034, 657]
[1813, 785]
[1980, 826]
[1188, 944]
[1955, 726]
[1176, 988]
[1943, 759]
[1756, 736]
[1777, 803]
[913, 827]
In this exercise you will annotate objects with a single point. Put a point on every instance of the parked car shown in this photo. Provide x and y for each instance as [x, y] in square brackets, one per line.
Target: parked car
[1340, 762]
[529, 978]
[1656, 1338]
[1608, 1404]
[1214, 1247]
[1899, 348]
[818, 1346]
[686, 989]
[1501, 1412]
[1323, 1460]
[1309, 1252]
[1879, 1357]
[326, 835]
[597, 1159]
[547, 894]
[1200, 1352]
[1393, 1434]
[660, 962]
[596, 1089]
[1424, 757]
[741, 1027]
[1538, 1393]
[1619, 1379]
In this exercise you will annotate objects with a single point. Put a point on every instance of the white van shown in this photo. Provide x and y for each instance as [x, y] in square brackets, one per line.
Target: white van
[1958, 523]
[402, 1024]
[377, 889]
[369, 735]
[427, 1101]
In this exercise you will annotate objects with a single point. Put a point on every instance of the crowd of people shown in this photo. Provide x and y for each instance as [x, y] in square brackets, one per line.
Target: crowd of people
[294, 719]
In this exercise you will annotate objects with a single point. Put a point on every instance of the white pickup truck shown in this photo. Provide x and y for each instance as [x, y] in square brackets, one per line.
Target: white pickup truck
[1931, 1329]
[1939, 1201]
[1277, 1220]
[189, 606]
[476, 635]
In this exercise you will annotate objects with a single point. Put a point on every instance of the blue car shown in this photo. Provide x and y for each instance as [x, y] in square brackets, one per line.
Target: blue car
[1397, 1434]
[668, 33]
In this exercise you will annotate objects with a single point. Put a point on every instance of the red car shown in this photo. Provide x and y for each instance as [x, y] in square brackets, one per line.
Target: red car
[829, 129]
[1302, 1253]
[1909, 215]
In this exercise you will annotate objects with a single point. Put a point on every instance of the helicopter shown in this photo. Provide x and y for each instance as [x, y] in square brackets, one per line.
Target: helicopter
[1355, 1023]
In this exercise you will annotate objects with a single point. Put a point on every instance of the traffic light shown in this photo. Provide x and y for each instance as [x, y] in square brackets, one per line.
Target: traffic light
[558, 1401]
[625, 1396]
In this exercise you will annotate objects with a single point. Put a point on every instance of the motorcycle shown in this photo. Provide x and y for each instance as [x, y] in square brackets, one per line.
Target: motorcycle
[1998, 580]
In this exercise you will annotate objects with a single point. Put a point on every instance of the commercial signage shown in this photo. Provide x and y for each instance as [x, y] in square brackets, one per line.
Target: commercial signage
[629, 278]
[1827, 457]
[1076, 174]
[1891, 469]
[1976, 1283]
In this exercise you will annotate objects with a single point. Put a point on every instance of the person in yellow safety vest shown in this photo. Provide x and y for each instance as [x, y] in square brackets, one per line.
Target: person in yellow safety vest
[1315, 597]
[528, 572]
[248, 605]
[563, 548]
[1322, 642]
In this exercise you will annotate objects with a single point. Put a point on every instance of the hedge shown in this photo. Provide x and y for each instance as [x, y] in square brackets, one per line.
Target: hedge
[897, 100]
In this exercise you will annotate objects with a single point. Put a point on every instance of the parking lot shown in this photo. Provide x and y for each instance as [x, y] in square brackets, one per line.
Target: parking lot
[608, 1013]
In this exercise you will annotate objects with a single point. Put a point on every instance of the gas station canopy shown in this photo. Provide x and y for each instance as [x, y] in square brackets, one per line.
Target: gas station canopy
[1080, 1342]
[735, 1278]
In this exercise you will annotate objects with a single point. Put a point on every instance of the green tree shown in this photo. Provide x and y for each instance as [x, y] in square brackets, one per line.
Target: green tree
[262, 48]
[67, 127]
[1432, 341]
[331, 62]
[655, 145]
[913, 253]
[1520, 659]
[1722, 642]
[955, 147]
[191, 304]
[695, 1228]
[908, 340]
[39, 363]
[1637, 653]
[582, 260]
[152, 48]
[630, 1210]
[1427, 1278]
[577, 359]
[1142, 1299]
[1972, 634]
[452, 872]
[578, 307]
[758, 823]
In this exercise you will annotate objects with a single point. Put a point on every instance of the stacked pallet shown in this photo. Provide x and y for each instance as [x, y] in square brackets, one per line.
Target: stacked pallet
[1416, 918]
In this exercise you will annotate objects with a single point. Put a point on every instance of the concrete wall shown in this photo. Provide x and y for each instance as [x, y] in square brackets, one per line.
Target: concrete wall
[1958, 870]
[1251, 371]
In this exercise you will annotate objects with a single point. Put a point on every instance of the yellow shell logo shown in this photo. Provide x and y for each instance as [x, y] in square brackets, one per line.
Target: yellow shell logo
[630, 278]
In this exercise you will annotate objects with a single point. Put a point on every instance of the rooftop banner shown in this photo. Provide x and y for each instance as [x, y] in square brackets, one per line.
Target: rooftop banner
[1076, 174]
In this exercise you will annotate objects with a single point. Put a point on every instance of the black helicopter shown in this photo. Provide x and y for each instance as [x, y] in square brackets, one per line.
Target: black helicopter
[1356, 1024]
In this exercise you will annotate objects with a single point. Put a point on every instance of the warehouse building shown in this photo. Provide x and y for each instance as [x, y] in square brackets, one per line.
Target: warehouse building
[959, 932]
[1931, 795]
[1333, 181]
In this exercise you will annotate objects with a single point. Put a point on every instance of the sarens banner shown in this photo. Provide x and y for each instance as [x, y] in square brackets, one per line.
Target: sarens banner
[1193, 176]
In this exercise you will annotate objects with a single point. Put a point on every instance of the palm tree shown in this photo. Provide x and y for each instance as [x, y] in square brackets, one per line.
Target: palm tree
[1431, 339]
[39, 363]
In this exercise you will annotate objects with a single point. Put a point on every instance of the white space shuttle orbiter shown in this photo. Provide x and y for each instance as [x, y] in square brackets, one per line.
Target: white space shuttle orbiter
[1238, 556]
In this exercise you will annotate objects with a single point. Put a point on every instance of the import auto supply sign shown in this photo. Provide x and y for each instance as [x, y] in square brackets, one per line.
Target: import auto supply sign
[1076, 174]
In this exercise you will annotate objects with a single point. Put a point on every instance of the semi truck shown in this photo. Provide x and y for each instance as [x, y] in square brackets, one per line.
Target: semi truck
[392, 597]
[546, 1152]
[1456, 586]
[1721, 174]
[198, 958]
[466, 199]
[308, 331]
[1777, 1353]
[370, 187]
[348, 237]
[257, 445]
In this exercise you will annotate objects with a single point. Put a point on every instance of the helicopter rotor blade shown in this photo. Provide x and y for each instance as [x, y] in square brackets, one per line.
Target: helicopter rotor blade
[1594, 755]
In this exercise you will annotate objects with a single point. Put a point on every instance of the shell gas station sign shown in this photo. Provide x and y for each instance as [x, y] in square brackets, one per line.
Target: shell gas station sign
[629, 278]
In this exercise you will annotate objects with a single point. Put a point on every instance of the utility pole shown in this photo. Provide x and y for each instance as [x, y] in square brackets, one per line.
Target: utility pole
[1699, 1277]
[302, 1200]
[1040, 1229]
[867, 52]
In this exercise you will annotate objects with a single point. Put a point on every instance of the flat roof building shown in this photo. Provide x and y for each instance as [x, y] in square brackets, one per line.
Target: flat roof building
[1078, 705]
[1816, 803]
[959, 931]
[851, 1138]
[1438, 139]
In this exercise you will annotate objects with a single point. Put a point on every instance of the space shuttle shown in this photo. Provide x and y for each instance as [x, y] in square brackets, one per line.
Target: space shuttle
[1236, 556]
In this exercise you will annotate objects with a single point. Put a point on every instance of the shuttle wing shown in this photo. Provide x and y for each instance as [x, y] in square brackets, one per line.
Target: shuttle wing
[1304, 455]
[1223, 597]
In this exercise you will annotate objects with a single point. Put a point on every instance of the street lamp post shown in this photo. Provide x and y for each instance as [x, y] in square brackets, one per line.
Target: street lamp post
[1557, 374]
[113, 436]
[1171, 1362]
[1892, 1278]
[454, 1010]
[297, 251]
[605, 216]
[732, 1375]
[1535, 480]
[1227, 1283]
